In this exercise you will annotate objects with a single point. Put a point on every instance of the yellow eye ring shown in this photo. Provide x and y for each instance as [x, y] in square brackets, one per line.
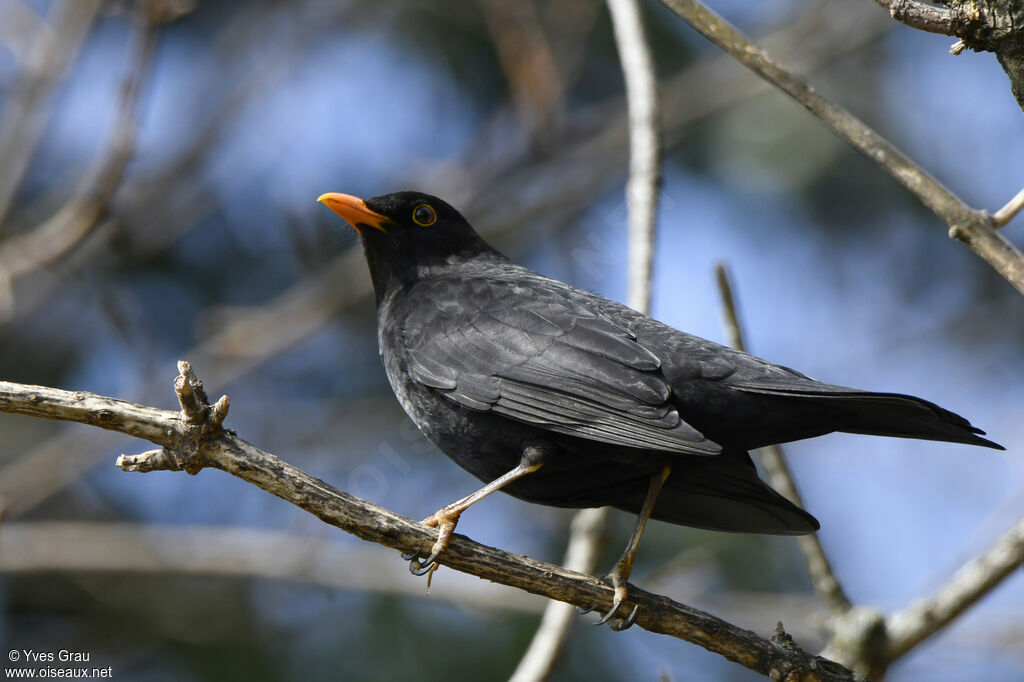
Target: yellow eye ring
[424, 215]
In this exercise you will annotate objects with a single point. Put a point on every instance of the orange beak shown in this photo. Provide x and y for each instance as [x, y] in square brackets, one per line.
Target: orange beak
[353, 210]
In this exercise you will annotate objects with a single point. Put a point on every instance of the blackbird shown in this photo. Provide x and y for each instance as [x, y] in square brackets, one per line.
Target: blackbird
[558, 396]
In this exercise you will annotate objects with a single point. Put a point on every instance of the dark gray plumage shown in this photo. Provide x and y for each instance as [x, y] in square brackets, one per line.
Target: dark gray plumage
[487, 357]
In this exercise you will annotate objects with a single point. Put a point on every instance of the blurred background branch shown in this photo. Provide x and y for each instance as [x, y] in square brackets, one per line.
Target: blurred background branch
[773, 460]
[74, 220]
[52, 49]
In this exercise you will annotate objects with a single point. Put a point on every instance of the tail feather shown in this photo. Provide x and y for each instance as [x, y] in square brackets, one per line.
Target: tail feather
[724, 493]
[904, 416]
[884, 414]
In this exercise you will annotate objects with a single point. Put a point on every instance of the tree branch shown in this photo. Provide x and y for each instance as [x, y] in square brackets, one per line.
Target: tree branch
[971, 226]
[909, 627]
[193, 439]
[983, 25]
[823, 578]
[24, 115]
[644, 147]
[1008, 212]
[922, 16]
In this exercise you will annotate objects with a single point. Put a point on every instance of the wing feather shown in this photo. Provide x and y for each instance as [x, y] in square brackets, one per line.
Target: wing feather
[533, 356]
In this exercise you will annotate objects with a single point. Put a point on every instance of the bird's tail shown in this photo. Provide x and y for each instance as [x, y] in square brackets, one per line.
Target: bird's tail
[724, 493]
[883, 414]
[904, 416]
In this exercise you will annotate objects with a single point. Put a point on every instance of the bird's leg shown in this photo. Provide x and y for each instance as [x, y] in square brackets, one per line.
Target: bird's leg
[447, 517]
[624, 566]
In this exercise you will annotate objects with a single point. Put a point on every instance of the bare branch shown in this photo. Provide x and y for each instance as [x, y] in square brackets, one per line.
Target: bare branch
[929, 18]
[991, 25]
[826, 584]
[528, 61]
[196, 446]
[644, 146]
[24, 116]
[863, 638]
[975, 579]
[971, 226]
[51, 240]
[1008, 212]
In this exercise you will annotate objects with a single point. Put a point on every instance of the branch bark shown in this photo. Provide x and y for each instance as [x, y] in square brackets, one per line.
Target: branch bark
[982, 25]
[971, 226]
[1009, 211]
[193, 439]
[582, 554]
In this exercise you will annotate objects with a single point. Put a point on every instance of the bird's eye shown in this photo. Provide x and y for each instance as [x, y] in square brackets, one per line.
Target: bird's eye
[424, 216]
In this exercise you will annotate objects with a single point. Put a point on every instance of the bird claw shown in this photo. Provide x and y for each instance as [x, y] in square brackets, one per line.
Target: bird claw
[446, 525]
[421, 568]
[627, 623]
[611, 613]
[617, 623]
[617, 626]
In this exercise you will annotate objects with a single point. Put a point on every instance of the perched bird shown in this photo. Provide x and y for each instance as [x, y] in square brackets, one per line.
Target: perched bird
[558, 396]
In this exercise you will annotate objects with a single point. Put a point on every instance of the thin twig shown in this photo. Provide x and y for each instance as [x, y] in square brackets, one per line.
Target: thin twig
[971, 226]
[74, 221]
[191, 444]
[1008, 212]
[823, 578]
[25, 110]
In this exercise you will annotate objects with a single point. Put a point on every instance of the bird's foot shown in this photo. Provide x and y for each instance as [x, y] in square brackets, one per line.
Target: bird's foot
[445, 520]
[619, 577]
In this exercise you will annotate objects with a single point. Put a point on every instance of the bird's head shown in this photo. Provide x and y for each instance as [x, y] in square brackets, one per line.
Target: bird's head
[408, 236]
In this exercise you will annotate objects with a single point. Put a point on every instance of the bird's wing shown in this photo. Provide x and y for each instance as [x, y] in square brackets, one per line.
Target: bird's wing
[538, 355]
